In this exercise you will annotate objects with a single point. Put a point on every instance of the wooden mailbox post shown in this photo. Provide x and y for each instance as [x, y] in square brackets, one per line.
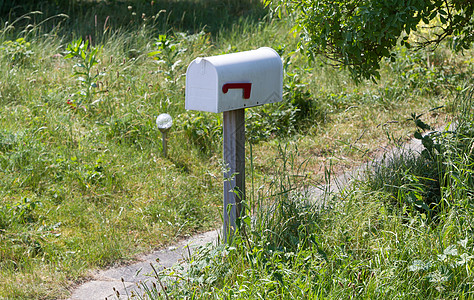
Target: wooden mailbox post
[228, 84]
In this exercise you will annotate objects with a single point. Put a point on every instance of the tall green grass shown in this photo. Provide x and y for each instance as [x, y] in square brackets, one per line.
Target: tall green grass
[99, 19]
[371, 240]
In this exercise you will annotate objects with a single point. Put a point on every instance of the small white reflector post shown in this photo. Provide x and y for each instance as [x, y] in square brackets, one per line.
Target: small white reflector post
[164, 123]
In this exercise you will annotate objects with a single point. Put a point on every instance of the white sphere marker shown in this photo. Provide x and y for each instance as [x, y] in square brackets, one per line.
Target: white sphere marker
[164, 123]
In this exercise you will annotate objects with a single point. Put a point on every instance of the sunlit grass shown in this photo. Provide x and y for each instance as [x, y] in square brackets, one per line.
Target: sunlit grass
[371, 240]
[101, 191]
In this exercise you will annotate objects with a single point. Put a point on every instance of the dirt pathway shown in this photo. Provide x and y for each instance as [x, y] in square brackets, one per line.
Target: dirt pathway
[103, 282]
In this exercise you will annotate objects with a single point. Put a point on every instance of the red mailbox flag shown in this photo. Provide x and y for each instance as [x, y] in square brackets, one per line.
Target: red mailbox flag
[247, 87]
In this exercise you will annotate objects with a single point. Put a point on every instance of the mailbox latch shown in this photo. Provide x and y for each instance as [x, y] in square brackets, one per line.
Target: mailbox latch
[247, 87]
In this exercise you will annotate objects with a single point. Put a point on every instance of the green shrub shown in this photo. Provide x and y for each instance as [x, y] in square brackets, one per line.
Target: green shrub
[20, 212]
[204, 130]
[16, 52]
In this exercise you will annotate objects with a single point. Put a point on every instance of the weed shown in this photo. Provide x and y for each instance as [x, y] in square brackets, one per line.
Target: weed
[203, 130]
[168, 51]
[88, 57]
[21, 212]
[17, 52]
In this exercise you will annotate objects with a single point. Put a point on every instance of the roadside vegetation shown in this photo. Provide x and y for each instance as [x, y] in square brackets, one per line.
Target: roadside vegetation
[83, 184]
[402, 232]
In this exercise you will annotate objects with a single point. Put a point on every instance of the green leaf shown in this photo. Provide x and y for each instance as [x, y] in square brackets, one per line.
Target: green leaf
[451, 250]
[420, 124]
[419, 265]
[427, 142]
[247, 221]
[153, 53]
[463, 243]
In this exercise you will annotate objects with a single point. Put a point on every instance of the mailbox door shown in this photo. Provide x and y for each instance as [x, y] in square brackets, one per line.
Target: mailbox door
[201, 86]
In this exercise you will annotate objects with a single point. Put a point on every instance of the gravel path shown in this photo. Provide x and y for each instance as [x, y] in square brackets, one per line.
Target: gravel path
[103, 282]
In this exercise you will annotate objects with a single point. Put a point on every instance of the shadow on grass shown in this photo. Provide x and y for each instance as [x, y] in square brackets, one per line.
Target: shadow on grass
[96, 18]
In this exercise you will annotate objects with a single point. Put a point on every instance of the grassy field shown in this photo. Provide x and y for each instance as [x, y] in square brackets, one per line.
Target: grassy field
[83, 184]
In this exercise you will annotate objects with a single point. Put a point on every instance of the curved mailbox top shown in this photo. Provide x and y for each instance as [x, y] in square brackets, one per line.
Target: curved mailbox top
[233, 81]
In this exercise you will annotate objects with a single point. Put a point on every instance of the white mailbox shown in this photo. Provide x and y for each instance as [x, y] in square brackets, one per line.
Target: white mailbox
[234, 81]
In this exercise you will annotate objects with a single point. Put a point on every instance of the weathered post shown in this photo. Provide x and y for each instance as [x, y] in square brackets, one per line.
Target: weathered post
[234, 162]
[228, 84]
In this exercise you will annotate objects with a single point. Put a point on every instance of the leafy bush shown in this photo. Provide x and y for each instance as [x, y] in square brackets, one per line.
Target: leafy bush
[442, 174]
[17, 52]
[299, 110]
[270, 121]
[204, 130]
[361, 33]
